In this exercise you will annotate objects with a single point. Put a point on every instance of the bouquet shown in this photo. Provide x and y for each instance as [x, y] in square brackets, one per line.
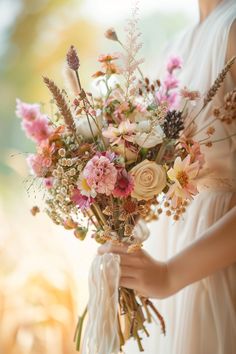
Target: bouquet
[113, 161]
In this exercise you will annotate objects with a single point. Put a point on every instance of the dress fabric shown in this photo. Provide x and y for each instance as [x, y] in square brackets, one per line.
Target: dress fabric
[201, 318]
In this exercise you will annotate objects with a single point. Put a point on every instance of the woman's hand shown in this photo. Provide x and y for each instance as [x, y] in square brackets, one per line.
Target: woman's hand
[139, 271]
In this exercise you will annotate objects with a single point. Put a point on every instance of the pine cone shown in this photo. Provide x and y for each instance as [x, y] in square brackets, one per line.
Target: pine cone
[173, 124]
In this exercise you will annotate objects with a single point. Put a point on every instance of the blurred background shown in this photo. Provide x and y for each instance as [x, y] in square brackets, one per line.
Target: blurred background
[43, 268]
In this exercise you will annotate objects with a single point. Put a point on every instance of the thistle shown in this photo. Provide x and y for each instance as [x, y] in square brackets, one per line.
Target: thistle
[173, 124]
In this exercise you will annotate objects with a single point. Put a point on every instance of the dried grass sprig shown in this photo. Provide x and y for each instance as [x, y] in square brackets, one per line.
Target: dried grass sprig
[214, 89]
[218, 82]
[73, 59]
[61, 104]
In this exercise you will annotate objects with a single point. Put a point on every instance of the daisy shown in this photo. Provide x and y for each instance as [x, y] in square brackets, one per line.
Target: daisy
[182, 176]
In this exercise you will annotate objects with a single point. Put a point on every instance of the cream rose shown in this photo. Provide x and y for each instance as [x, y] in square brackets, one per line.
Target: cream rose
[83, 128]
[149, 180]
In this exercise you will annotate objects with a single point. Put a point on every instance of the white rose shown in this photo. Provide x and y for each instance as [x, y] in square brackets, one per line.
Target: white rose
[82, 127]
[144, 126]
[149, 140]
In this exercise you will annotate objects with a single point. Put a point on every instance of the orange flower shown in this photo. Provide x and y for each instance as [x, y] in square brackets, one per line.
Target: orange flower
[98, 74]
[107, 58]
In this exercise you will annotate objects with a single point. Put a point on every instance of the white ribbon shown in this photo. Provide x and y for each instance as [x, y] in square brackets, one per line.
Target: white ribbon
[101, 333]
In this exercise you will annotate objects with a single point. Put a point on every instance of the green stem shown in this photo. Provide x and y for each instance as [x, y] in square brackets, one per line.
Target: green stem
[84, 106]
[79, 327]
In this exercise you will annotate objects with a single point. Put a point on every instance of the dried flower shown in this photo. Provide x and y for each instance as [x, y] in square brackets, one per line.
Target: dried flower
[149, 180]
[125, 131]
[98, 74]
[35, 210]
[173, 124]
[101, 174]
[111, 34]
[182, 175]
[82, 201]
[73, 59]
[61, 104]
[124, 184]
[190, 95]
[218, 82]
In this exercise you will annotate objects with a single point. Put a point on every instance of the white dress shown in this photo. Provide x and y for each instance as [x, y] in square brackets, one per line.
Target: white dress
[201, 318]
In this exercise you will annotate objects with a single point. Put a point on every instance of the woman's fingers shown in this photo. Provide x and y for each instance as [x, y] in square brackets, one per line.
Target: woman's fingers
[127, 271]
[128, 282]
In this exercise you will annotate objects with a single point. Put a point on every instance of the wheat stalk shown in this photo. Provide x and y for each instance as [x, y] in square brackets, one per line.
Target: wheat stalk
[218, 82]
[61, 103]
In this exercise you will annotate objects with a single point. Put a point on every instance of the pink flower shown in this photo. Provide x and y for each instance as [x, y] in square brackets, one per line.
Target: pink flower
[101, 174]
[170, 82]
[190, 95]
[194, 150]
[172, 98]
[37, 129]
[82, 201]
[121, 111]
[27, 111]
[48, 182]
[182, 176]
[174, 62]
[124, 184]
[125, 131]
[38, 164]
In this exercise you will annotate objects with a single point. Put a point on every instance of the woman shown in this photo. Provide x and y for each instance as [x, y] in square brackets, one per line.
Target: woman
[197, 277]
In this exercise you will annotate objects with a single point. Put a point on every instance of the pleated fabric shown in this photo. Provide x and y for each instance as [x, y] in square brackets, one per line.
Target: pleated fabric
[201, 319]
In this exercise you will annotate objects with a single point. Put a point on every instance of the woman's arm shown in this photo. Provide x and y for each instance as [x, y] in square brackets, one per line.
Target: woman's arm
[215, 250]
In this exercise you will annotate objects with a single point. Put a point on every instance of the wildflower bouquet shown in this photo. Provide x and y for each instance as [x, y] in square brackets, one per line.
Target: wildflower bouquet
[107, 162]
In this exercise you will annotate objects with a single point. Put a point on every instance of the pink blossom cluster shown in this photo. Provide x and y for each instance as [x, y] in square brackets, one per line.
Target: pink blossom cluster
[34, 123]
[101, 174]
[166, 93]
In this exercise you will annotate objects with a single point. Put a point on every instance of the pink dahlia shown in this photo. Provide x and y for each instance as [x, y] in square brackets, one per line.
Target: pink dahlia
[82, 201]
[27, 111]
[124, 184]
[101, 174]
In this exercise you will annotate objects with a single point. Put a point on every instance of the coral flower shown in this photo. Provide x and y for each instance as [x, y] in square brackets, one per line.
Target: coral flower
[124, 184]
[125, 131]
[107, 58]
[182, 175]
